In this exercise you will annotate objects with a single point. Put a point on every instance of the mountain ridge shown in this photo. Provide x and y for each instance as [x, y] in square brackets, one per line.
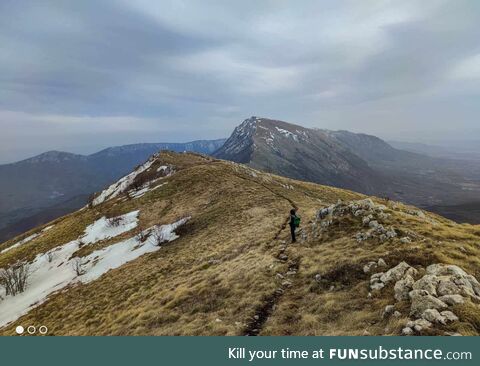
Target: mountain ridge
[192, 245]
[54, 178]
[280, 147]
[361, 162]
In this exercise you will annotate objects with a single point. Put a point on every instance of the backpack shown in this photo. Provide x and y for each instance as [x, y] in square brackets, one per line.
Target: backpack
[296, 221]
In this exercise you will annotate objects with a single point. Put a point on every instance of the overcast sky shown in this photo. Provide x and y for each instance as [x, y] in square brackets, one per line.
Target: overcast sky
[82, 75]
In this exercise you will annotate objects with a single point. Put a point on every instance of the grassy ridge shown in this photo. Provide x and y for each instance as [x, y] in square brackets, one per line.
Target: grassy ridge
[221, 274]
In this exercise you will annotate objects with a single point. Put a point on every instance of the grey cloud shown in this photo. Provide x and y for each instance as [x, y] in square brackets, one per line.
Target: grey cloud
[173, 70]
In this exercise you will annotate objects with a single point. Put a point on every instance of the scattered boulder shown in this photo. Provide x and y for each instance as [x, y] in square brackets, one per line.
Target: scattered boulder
[366, 219]
[370, 215]
[454, 281]
[441, 286]
[374, 224]
[422, 300]
[433, 316]
[449, 316]
[440, 269]
[390, 234]
[389, 309]
[452, 299]
[360, 237]
[447, 287]
[403, 287]
[421, 324]
[396, 273]
[428, 283]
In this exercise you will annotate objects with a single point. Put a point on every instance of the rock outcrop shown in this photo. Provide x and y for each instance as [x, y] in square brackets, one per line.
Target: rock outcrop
[440, 287]
[371, 216]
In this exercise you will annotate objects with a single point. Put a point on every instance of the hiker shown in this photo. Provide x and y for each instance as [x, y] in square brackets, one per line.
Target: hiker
[294, 223]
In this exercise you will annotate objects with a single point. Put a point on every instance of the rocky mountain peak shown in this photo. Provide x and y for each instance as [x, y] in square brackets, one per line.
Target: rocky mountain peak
[239, 146]
[296, 152]
[247, 127]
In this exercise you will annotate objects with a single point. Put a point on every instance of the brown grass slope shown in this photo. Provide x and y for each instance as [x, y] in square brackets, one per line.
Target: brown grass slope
[229, 273]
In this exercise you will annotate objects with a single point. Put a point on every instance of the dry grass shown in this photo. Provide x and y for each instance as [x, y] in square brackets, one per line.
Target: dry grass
[212, 280]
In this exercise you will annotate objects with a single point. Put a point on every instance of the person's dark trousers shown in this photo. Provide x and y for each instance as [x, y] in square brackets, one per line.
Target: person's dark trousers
[292, 230]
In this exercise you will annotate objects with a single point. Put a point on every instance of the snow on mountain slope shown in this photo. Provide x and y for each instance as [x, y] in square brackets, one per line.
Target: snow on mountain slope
[39, 189]
[126, 183]
[226, 265]
[114, 256]
[297, 152]
[121, 185]
[105, 228]
[355, 161]
[59, 267]
[27, 239]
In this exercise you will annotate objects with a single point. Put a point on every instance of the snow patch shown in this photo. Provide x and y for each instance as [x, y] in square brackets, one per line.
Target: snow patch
[105, 228]
[287, 133]
[27, 239]
[21, 242]
[114, 256]
[166, 169]
[46, 277]
[121, 185]
[56, 269]
[137, 194]
[145, 189]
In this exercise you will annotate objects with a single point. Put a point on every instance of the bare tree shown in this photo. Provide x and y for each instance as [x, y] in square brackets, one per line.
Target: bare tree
[114, 221]
[14, 279]
[78, 266]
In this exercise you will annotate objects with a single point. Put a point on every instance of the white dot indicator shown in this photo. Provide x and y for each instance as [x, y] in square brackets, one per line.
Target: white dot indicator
[19, 329]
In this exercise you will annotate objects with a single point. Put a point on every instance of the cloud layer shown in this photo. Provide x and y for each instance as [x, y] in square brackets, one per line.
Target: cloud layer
[80, 75]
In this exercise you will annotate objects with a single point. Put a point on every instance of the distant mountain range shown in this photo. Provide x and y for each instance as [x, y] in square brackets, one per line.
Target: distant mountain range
[39, 189]
[51, 184]
[359, 162]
